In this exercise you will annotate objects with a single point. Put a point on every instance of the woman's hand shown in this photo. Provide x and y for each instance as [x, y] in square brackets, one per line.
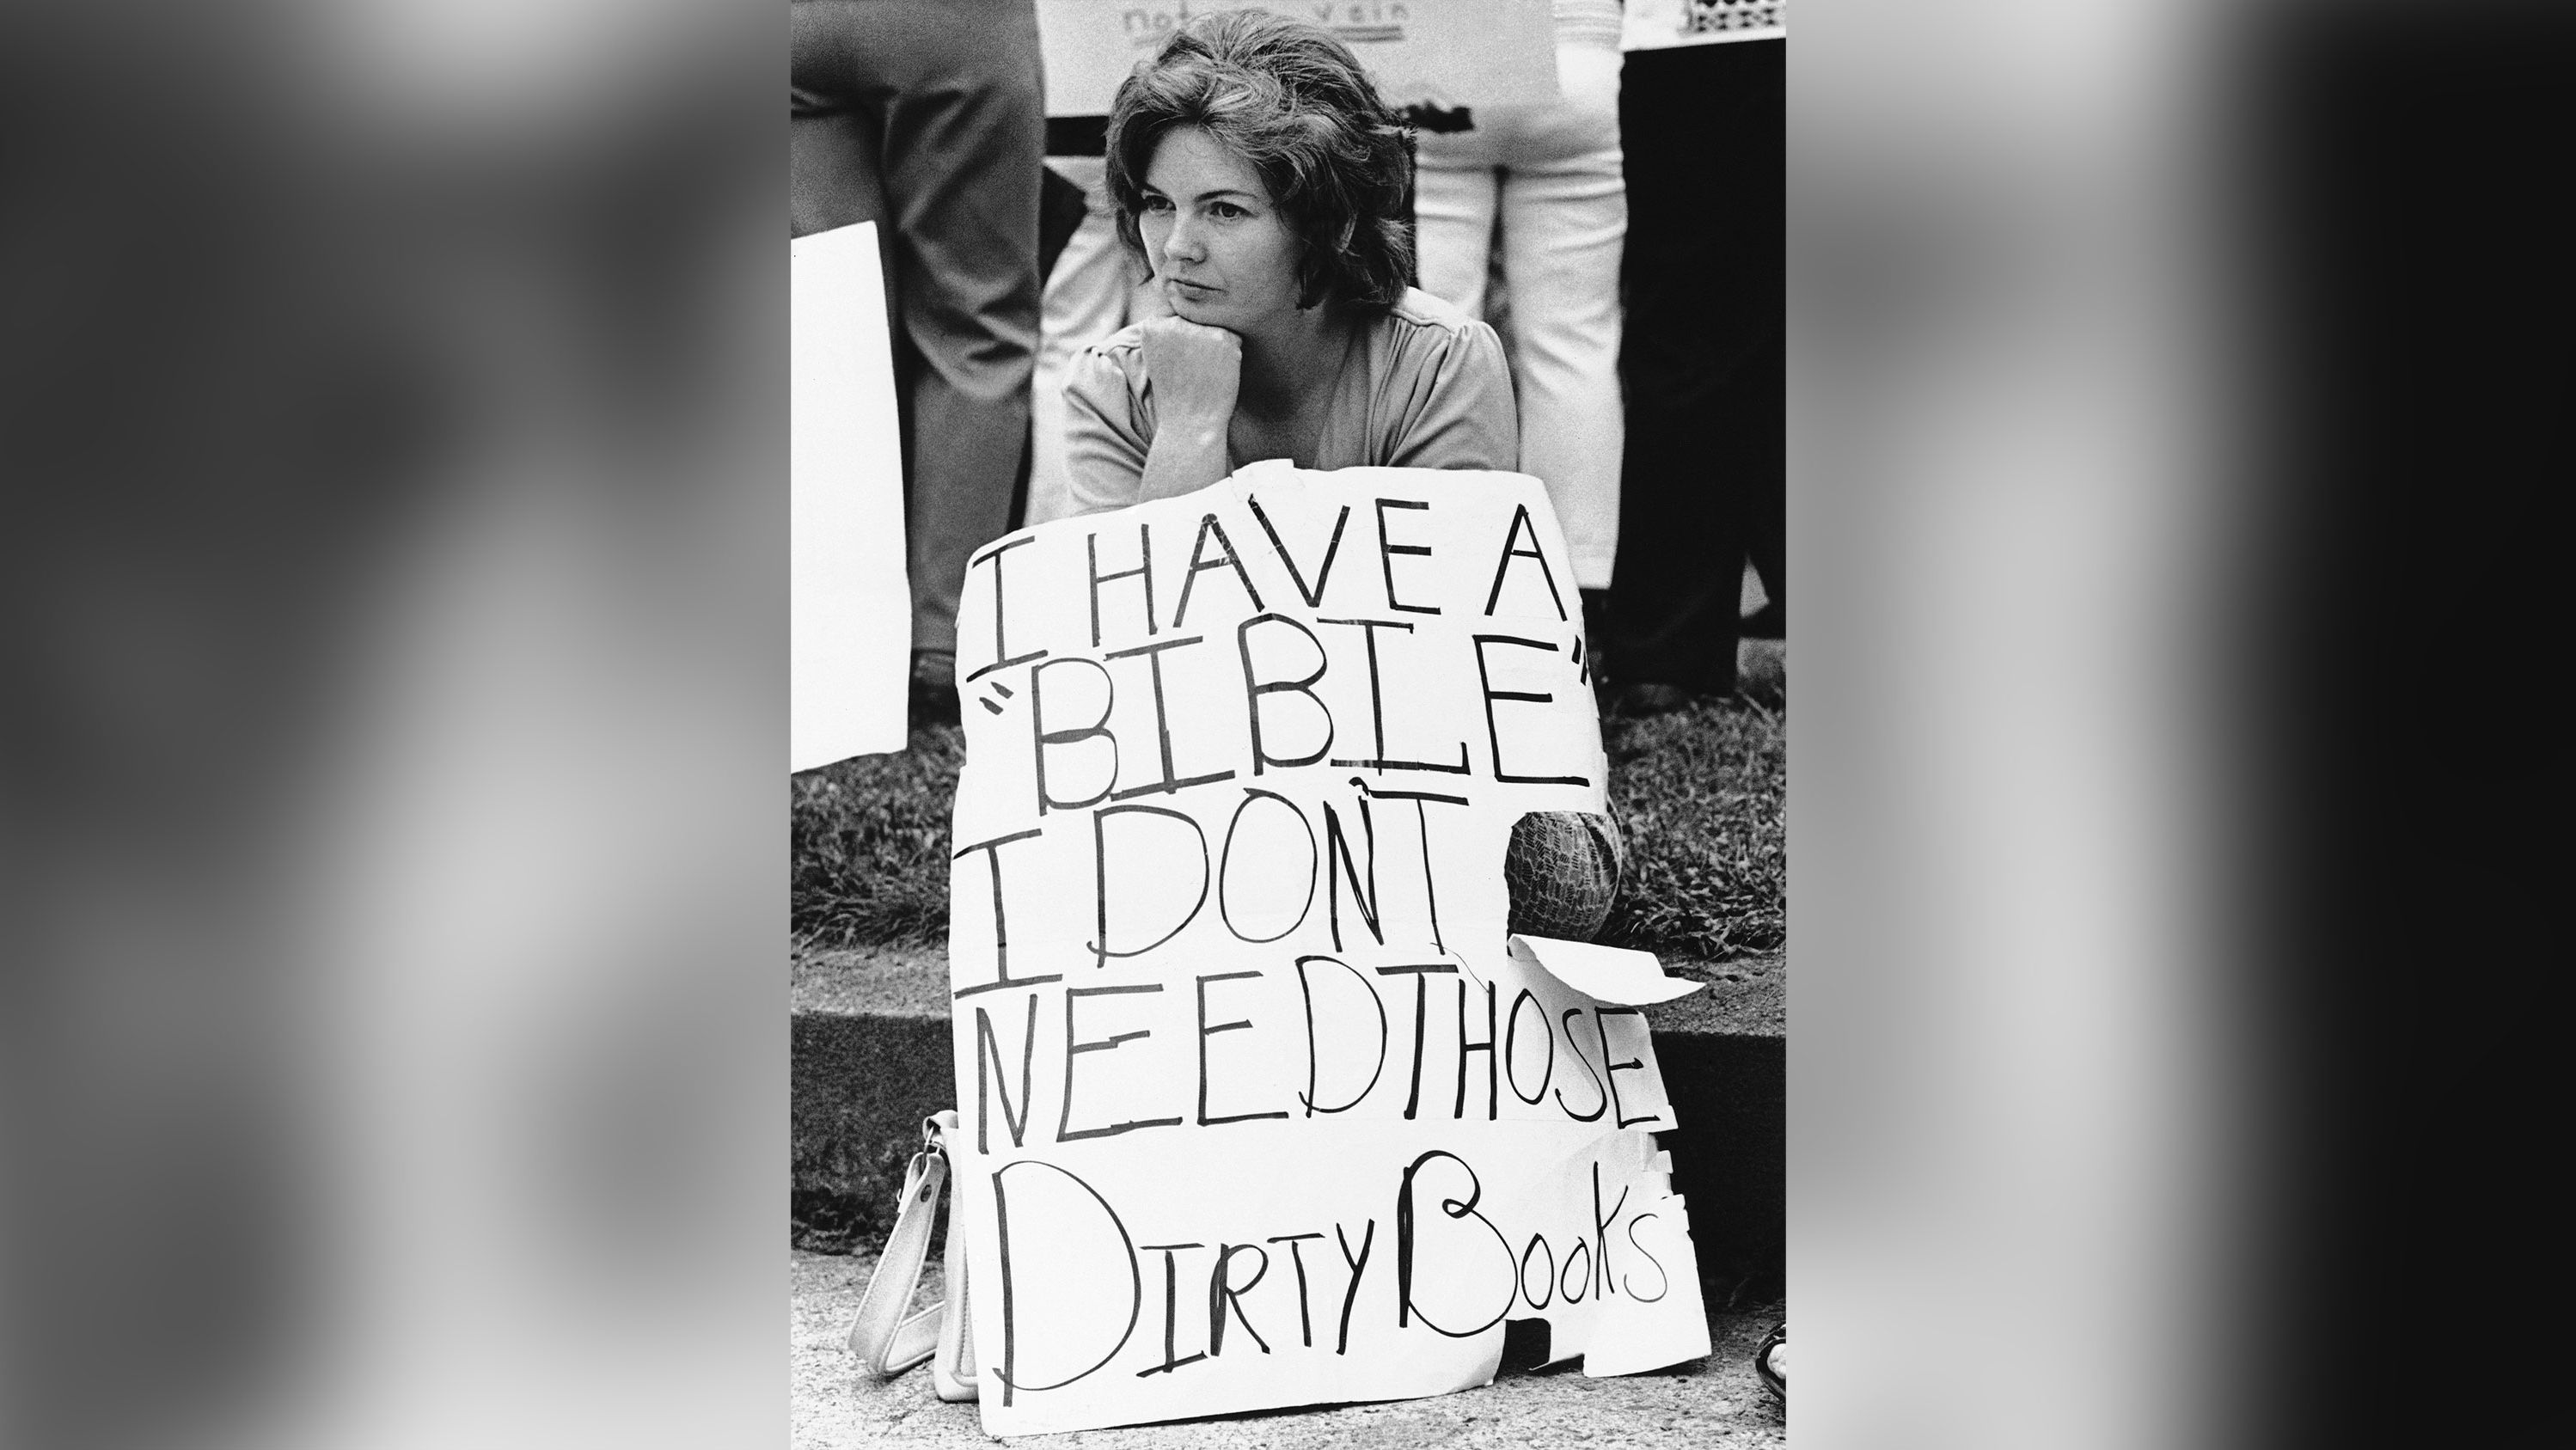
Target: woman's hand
[1195, 371]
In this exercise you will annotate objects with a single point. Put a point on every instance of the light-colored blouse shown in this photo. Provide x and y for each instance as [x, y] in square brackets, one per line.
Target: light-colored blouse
[1427, 388]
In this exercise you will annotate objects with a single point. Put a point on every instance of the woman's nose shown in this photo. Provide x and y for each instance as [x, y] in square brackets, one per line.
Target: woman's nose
[1182, 244]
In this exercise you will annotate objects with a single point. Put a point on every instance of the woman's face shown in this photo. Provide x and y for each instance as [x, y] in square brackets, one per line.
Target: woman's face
[1222, 253]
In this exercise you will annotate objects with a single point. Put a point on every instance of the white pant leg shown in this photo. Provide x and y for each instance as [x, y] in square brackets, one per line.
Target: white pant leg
[1454, 195]
[1565, 223]
[1085, 301]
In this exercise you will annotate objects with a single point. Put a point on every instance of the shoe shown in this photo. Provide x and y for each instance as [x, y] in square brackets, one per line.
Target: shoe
[1771, 1361]
[934, 688]
[1762, 670]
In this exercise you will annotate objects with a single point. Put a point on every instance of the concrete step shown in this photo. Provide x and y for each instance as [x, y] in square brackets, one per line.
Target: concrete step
[870, 1058]
[1715, 1403]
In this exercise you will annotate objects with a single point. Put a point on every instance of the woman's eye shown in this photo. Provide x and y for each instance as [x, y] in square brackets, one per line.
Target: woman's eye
[1157, 203]
[1227, 211]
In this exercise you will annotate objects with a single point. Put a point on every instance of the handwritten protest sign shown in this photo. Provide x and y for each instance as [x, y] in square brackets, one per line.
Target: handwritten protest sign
[1445, 52]
[1664, 24]
[1261, 1104]
[849, 615]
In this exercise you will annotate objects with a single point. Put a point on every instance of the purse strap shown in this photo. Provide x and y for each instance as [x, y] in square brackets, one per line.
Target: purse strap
[885, 1341]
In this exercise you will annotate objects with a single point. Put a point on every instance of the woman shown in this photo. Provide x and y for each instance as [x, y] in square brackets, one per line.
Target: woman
[1268, 192]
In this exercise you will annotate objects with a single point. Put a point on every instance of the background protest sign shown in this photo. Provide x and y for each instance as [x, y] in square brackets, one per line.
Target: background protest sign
[1260, 1104]
[1663, 24]
[1444, 52]
[849, 610]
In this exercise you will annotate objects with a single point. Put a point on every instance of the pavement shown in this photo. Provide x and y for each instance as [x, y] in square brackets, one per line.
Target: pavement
[1715, 1403]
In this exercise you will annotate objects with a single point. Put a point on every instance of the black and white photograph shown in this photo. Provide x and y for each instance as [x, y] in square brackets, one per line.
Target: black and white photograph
[1336, 455]
[1262, 530]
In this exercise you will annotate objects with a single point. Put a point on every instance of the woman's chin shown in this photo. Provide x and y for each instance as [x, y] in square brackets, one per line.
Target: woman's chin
[1193, 304]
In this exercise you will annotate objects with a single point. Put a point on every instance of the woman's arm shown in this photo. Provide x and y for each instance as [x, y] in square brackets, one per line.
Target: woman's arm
[1195, 371]
[1105, 440]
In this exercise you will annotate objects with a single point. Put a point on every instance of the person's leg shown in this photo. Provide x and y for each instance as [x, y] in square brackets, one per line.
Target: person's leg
[1453, 217]
[838, 95]
[833, 150]
[1676, 535]
[831, 165]
[1766, 515]
[835, 144]
[964, 137]
[1704, 135]
[1565, 220]
[833, 140]
[1086, 300]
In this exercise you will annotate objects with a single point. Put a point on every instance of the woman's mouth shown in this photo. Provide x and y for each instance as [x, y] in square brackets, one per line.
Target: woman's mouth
[1193, 289]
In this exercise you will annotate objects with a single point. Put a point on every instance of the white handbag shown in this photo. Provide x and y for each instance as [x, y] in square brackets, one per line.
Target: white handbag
[886, 1341]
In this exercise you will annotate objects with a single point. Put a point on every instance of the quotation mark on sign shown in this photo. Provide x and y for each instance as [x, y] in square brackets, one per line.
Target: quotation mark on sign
[1582, 667]
[1000, 689]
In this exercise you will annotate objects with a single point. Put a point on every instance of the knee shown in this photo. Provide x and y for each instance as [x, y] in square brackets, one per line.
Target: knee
[1562, 870]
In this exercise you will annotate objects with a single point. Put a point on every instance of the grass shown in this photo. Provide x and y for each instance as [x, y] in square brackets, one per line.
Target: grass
[1702, 795]
[868, 845]
[1703, 798]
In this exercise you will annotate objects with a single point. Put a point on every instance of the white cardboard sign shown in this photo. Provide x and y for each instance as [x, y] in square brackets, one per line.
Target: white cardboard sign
[1445, 52]
[1664, 24]
[849, 612]
[1261, 1106]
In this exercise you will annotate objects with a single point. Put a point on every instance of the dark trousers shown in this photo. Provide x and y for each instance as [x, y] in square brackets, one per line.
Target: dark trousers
[925, 116]
[1706, 357]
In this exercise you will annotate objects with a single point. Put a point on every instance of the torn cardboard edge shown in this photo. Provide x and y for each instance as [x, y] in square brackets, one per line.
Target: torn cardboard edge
[1617, 975]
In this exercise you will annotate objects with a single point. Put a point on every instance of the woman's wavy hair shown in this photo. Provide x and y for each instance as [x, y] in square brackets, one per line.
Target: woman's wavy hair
[1294, 103]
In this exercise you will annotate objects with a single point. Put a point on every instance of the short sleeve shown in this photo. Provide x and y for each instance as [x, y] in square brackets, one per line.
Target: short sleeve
[1105, 437]
[1460, 412]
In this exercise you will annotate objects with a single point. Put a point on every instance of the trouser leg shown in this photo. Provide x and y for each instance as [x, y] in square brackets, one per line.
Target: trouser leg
[1086, 300]
[965, 139]
[1705, 352]
[1453, 219]
[1565, 219]
[835, 146]
[953, 91]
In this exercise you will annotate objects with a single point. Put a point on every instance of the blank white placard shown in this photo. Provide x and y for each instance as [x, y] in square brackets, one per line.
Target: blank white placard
[849, 605]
